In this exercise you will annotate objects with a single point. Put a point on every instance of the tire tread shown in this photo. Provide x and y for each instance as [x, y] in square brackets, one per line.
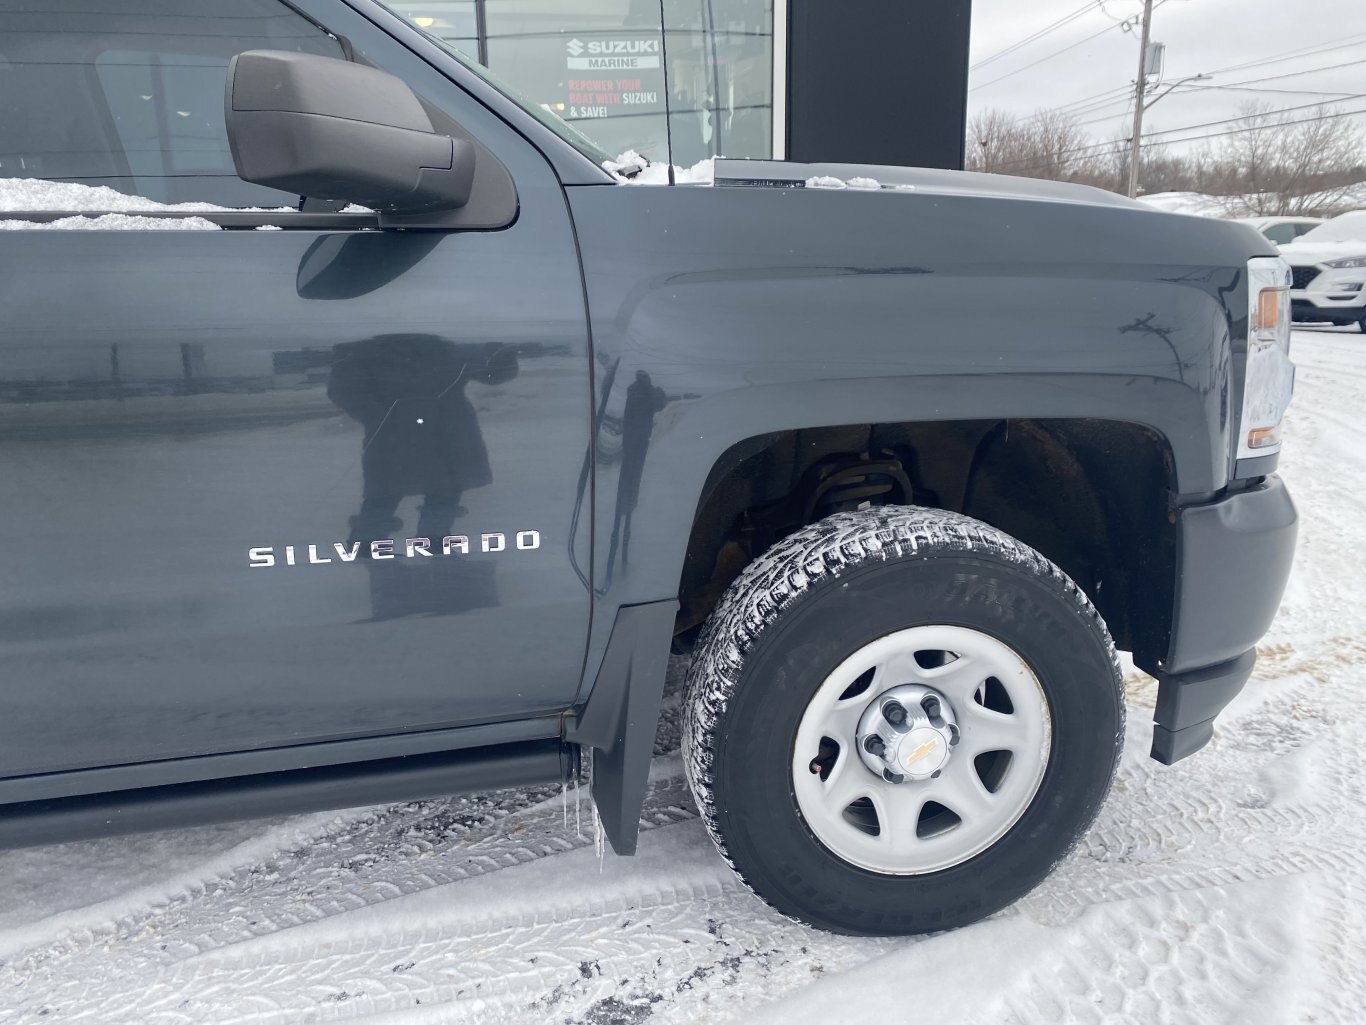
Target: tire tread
[789, 569]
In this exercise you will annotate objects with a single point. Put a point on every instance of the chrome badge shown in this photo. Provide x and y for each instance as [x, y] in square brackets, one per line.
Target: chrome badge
[388, 548]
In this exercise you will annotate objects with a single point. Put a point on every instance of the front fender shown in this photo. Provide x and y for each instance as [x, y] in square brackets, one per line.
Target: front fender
[747, 311]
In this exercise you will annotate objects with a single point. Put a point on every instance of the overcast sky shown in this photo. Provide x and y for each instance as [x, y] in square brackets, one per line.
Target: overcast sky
[1201, 36]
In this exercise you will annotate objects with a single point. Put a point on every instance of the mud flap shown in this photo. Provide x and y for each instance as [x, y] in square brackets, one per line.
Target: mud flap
[619, 718]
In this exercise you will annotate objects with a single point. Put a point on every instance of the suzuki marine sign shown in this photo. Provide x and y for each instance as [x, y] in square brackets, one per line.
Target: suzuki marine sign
[613, 54]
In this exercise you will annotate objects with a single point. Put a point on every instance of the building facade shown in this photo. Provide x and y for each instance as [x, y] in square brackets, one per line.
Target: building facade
[608, 66]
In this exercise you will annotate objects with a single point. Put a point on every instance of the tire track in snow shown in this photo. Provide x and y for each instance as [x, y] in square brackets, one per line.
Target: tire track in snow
[1160, 959]
[253, 903]
[1118, 865]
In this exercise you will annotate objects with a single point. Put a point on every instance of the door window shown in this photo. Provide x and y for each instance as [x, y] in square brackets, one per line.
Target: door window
[129, 93]
[1280, 233]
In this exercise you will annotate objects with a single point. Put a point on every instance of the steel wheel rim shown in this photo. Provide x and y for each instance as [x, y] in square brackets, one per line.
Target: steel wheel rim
[901, 828]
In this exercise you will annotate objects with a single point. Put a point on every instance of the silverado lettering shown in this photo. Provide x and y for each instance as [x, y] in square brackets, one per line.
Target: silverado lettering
[413, 547]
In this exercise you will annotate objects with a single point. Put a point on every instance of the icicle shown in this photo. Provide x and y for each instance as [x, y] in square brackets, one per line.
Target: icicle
[599, 839]
[578, 825]
[564, 802]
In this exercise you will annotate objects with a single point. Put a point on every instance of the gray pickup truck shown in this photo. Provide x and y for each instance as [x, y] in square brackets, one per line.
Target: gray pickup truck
[387, 443]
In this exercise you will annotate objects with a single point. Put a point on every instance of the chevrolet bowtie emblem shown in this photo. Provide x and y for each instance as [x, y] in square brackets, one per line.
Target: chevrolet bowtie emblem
[921, 752]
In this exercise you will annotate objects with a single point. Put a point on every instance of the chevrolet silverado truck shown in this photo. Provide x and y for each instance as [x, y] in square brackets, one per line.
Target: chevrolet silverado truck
[367, 435]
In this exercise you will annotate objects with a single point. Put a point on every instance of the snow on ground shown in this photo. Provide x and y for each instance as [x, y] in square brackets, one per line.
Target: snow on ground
[1201, 205]
[1227, 889]
[1196, 203]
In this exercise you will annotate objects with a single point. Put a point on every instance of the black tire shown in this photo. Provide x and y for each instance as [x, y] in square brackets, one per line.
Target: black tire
[805, 606]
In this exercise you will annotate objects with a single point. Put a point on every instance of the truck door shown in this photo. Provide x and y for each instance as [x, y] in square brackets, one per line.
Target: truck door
[277, 477]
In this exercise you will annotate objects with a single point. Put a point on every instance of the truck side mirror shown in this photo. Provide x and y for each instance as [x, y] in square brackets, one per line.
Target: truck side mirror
[327, 128]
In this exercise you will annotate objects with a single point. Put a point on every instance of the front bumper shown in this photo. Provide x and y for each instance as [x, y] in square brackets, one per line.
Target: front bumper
[1333, 295]
[1233, 560]
[1304, 311]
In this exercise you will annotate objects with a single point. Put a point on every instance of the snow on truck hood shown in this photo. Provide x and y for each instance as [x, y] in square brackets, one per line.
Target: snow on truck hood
[874, 177]
[782, 174]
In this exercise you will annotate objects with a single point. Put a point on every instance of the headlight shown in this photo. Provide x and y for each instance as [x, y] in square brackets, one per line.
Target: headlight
[1351, 261]
[1269, 377]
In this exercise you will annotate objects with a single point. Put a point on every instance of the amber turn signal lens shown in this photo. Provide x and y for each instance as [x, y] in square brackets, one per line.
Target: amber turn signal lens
[1263, 437]
[1268, 309]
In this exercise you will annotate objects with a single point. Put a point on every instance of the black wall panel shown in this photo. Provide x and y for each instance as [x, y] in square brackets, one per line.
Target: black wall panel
[878, 81]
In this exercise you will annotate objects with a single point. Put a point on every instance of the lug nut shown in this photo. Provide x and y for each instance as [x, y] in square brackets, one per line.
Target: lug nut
[874, 745]
[894, 713]
[931, 706]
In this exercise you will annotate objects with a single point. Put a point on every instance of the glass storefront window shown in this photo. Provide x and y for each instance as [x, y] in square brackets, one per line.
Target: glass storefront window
[720, 77]
[452, 21]
[600, 65]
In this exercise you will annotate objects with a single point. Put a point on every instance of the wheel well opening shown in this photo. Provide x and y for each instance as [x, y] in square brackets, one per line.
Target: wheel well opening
[1091, 495]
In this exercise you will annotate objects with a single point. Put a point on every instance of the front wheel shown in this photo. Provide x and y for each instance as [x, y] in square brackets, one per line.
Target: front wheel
[899, 719]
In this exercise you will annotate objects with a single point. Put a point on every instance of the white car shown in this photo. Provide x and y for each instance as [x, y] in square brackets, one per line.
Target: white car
[1281, 230]
[1329, 265]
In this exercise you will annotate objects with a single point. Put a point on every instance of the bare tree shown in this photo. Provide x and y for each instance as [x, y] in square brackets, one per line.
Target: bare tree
[1049, 144]
[991, 139]
[1293, 163]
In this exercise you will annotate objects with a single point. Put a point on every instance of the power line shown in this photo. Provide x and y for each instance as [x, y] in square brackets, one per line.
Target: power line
[1049, 57]
[1087, 100]
[1126, 94]
[1149, 136]
[1064, 20]
[1108, 95]
[1262, 89]
[1099, 146]
[1238, 85]
[1090, 104]
[1230, 120]
[1243, 117]
[1125, 102]
[1310, 50]
[1298, 74]
[1262, 128]
[1104, 117]
[1111, 97]
[1056, 53]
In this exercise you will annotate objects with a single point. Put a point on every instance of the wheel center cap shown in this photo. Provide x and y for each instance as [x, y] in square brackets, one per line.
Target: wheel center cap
[907, 733]
[922, 751]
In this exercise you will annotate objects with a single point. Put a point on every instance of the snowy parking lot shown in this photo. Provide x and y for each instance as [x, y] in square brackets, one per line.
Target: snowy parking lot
[1225, 889]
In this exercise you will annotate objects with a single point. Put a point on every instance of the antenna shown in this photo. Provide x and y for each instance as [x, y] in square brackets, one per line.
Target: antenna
[668, 119]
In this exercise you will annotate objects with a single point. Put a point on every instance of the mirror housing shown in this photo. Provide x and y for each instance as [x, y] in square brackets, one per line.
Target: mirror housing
[327, 128]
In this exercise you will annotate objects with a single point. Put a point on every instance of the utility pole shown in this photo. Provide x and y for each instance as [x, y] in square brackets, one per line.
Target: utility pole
[1141, 96]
